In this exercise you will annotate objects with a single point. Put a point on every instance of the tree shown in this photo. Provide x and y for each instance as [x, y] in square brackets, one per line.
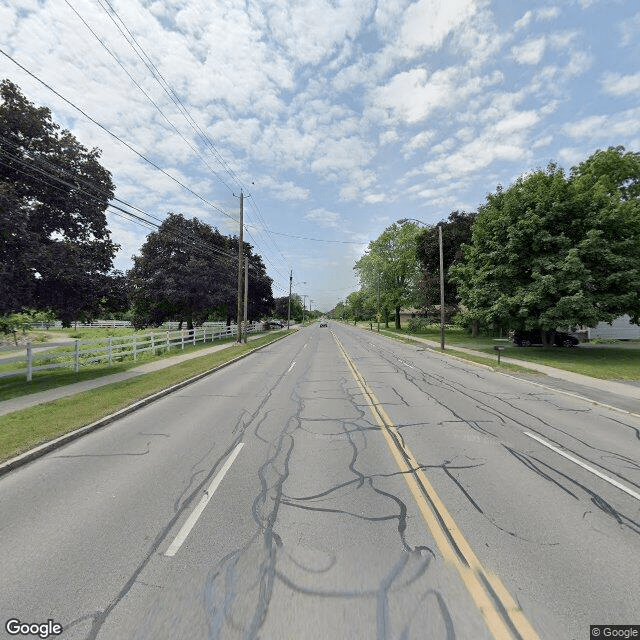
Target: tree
[392, 258]
[456, 231]
[177, 274]
[552, 251]
[54, 240]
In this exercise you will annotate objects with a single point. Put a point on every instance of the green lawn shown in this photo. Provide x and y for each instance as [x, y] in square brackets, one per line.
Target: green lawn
[23, 430]
[606, 362]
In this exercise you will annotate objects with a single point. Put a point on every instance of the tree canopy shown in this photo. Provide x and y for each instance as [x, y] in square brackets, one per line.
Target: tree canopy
[391, 257]
[186, 271]
[555, 251]
[55, 247]
[456, 231]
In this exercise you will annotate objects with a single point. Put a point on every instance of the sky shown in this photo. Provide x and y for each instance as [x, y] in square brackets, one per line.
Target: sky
[335, 117]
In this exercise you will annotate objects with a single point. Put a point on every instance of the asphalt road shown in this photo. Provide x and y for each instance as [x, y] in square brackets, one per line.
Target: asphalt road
[336, 484]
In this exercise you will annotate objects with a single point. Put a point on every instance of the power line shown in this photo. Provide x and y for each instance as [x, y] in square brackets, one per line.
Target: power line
[288, 235]
[113, 135]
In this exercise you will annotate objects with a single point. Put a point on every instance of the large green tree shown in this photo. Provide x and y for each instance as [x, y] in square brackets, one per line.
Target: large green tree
[456, 231]
[552, 251]
[54, 240]
[186, 271]
[390, 262]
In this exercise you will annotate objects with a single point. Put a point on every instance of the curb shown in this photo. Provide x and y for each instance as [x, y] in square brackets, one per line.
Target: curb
[46, 447]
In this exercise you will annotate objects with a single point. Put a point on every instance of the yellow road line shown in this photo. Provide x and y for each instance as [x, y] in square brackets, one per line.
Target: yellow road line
[503, 616]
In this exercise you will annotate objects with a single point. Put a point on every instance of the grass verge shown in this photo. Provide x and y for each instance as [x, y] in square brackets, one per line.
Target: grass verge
[490, 362]
[606, 363]
[16, 387]
[23, 430]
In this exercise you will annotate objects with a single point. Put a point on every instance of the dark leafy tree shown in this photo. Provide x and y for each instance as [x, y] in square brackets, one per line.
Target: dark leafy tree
[456, 231]
[54, 240]
[178, 274]
[553, 251]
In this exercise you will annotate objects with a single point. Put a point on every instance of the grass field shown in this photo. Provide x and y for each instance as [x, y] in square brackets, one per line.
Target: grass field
[23, 430]
[15, 387]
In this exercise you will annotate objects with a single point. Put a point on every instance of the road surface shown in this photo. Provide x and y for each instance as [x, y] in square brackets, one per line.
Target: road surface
[336, 484]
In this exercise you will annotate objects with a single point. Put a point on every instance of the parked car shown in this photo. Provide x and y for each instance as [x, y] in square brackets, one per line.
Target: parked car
[534, 337]
[274, 324]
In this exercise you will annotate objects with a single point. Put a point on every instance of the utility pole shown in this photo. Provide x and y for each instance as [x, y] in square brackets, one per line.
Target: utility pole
[240, 256]
[441, 289]
[378, 302]
[246, 294]
[289, 309]
[304, 305]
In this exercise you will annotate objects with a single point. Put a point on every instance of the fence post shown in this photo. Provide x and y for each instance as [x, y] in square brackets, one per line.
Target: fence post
[110, 350]
[182, 337]
[153, 345]
[76, 359]
[135, 348]
[29, 362]
[167, 341]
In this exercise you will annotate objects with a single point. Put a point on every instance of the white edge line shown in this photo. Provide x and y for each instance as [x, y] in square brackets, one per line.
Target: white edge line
[196, 513]
[615, 483]
[293, 364]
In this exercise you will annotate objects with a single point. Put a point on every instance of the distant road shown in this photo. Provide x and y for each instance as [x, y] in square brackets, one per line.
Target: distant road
[336, 484]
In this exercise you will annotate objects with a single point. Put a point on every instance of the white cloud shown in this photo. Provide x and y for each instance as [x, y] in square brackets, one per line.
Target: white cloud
[324, 218]
[617, 84]
[428, 22]
[630, 30]
[412, 95]
[604, 127]
[530, 52]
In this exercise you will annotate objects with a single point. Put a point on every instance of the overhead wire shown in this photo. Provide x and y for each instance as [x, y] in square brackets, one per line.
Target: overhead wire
[157, 75]
[115, 136]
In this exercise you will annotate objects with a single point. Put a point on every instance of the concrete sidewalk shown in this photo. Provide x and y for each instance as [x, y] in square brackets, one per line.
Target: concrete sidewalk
[24, 402]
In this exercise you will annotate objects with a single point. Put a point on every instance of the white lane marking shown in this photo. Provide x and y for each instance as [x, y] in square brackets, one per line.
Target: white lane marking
[196, 513]
[305, 345]
[293, 364]
[406, 364]
[584, 465]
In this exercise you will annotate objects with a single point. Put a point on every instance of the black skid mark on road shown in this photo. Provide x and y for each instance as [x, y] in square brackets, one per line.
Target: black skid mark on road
[624, 424]
[164, 435]
[535, 465]
[107, 455]
[404, 402]
[447, 469]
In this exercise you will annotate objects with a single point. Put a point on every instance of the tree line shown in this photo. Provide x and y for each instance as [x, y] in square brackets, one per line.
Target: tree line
[553, 250]
[56, 250]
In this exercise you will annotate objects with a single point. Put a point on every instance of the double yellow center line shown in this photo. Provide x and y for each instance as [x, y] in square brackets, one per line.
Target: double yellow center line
[503, 616]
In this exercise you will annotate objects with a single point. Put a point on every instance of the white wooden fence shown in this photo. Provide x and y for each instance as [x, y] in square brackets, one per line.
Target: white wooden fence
[108, 350]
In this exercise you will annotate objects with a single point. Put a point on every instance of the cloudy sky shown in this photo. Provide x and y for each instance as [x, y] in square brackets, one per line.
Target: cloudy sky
[337, 116]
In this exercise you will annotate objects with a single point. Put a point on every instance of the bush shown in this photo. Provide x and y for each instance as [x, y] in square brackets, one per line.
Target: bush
[415, 325]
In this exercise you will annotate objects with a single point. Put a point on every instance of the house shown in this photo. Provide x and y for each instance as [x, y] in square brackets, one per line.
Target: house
[620, 329]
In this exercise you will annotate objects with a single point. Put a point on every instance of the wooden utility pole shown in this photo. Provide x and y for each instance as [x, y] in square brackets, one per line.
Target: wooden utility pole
[240, 256]
[441, 289]
[289, 309]
[246, 294]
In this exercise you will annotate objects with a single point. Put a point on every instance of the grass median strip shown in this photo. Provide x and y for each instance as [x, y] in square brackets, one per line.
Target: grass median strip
[23, 430]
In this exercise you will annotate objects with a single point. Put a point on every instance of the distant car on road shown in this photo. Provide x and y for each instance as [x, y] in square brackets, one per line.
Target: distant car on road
[323, 323]
[534, 337]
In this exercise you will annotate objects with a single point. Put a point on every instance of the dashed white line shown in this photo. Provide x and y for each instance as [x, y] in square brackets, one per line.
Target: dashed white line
[584, 465]
[293, 364]
[196, 513]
